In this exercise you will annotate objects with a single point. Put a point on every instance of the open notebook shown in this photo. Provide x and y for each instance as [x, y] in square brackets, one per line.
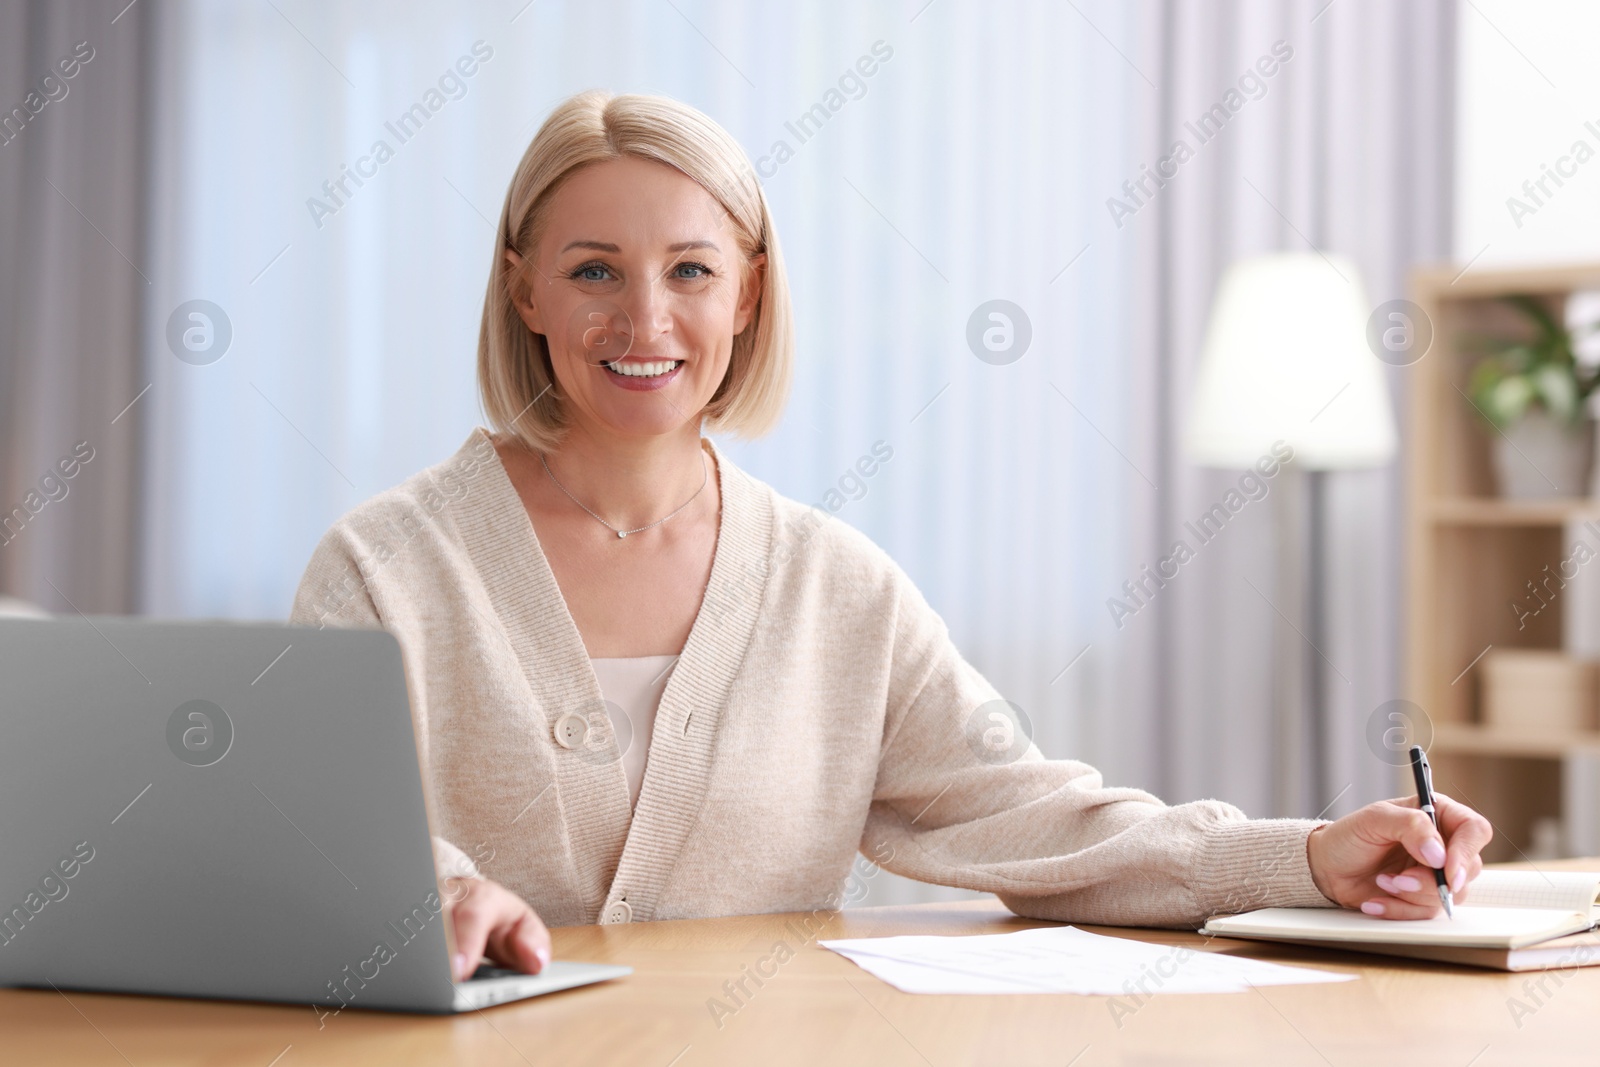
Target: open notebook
[1513, 920]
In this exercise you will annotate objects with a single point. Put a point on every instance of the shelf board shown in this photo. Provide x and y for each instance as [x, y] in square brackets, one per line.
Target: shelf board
[1447, 280]
[1489, 511]
[1474, 739]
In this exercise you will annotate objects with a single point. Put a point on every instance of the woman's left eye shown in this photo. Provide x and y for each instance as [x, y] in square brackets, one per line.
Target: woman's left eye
[704, 270]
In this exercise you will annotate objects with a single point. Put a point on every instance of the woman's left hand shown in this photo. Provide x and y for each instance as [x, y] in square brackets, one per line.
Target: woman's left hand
[1381, 859]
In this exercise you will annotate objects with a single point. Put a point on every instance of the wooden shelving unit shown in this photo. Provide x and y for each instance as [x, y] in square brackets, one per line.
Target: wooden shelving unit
[1478, 740]
[1470, 555]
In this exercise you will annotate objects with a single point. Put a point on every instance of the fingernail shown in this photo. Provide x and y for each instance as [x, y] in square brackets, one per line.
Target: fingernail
[1372, 907]
[1433, 854]
[461, 965]
[1385, 882]
[1459, 881]
[544, 957]
[1406, 884]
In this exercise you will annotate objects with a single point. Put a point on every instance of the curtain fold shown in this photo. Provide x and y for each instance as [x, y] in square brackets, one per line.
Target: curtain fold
[1348, 149]
[72, 283]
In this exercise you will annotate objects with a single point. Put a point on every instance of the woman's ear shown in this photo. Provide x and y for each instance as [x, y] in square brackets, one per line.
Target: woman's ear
[750, 292]
[516, 278]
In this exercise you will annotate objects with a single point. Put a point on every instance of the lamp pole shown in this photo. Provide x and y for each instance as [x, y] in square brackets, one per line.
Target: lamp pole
[1318, 740]
[1286, 357]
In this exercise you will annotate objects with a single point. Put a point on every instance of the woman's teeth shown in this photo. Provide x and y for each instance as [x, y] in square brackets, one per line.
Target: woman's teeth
[644, 370]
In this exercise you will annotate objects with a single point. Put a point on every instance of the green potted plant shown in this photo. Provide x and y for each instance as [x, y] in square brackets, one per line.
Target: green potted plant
[1534, 392]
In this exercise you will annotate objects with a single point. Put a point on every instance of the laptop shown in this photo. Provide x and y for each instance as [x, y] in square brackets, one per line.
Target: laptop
[224, 810]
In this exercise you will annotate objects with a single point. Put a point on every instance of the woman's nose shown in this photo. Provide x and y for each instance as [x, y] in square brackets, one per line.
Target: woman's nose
[649, 309]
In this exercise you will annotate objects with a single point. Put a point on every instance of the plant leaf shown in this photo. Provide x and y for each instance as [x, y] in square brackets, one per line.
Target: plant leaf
[1558, 390]
[1519, 358]
[1509, 399]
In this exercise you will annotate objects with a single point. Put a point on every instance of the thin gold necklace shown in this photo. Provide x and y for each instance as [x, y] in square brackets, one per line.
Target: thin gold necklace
[705, 476]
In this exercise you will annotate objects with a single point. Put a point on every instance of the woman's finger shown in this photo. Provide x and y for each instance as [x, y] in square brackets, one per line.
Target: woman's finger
[1466, 834]
[1392, 907]
[1392, 823]
[1414, 885]
[471, 921]
[521, 941]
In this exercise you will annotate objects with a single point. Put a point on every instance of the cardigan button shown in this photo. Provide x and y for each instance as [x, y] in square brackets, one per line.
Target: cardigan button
[619, 912]
[571, 729]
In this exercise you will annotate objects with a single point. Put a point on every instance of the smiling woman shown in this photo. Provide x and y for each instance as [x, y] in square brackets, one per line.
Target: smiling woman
[816, 705]
[678, 297]
[628, 236]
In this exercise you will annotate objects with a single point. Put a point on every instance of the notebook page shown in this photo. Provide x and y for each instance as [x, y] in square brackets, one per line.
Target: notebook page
[1498, 927]
[1557, 890]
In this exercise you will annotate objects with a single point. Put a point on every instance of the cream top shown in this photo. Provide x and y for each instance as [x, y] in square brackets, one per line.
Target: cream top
[819, 710]
[632, 689]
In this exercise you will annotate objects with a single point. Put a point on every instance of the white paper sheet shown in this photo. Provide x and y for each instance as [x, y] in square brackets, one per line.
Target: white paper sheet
[1061, 959]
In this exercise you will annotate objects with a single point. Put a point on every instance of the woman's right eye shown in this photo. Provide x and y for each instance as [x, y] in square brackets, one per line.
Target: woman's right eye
[590, 272]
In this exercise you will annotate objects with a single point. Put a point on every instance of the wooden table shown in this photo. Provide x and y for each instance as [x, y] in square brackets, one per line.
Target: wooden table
[819, 1008]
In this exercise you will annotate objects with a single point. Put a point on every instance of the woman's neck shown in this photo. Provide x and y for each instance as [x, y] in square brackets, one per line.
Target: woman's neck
[629, 481]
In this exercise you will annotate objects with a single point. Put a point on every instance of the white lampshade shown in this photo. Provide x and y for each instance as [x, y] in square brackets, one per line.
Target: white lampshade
[1286, 358]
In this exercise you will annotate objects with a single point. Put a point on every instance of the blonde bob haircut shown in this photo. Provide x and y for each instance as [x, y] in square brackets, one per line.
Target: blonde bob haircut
[515, 380]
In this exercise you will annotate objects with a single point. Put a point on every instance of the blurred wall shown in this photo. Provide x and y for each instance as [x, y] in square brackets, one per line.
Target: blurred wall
[1528, 162]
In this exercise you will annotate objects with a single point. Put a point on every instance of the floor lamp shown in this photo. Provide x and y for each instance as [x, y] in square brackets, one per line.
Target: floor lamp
[1286, 358]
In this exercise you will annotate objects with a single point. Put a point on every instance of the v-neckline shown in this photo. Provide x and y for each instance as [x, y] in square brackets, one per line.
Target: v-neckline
[621, 854]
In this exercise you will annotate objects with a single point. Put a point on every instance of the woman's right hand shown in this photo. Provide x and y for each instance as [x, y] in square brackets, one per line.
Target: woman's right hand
[490, 920]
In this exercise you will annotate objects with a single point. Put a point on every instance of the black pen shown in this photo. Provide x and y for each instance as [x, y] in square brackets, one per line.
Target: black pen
[1424, 776]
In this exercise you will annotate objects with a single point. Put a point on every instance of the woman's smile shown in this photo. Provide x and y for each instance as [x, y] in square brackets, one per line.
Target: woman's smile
[641, 374]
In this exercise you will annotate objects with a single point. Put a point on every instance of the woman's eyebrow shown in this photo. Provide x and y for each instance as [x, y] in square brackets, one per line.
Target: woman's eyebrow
[599, 246]
[602, 246]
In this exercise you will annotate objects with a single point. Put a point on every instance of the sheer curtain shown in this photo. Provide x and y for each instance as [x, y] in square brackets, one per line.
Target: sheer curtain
[1345, 147]
[73, 81]
[974, 164]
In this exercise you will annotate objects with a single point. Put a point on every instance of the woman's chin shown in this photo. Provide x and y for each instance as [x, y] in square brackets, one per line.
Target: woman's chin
[625, 410]
[617, 421]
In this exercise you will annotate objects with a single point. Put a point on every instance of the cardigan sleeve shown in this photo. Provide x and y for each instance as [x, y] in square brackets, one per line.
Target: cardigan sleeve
[954, 804]
[334, 592]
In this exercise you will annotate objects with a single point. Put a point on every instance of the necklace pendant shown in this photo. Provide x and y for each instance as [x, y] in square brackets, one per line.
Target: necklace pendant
[705, 477]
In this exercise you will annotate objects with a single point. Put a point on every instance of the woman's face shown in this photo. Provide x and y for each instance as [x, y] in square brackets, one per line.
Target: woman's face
[637, 285]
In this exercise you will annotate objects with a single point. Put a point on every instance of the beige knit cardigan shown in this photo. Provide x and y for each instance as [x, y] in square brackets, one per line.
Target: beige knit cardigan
[818, 709]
